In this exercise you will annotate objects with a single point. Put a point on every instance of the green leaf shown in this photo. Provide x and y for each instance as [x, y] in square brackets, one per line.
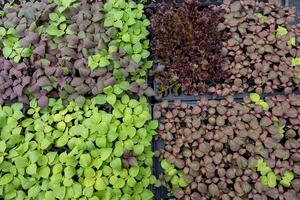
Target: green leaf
[116, 164]
[85, 160]
[261, 16]
[271, 179]
[5, 179]
[2, 146]
[153, 124]
[137, 48]
[287, 179]
[105, 153]
[131, 182]
[103, 62]
[126, 37]
[54, 16]
[128, 48]
[109, 21]
[67, 3]
[17, 59]
[53, 30]
[288, 175]
[100, 184]
[21, 162]
[26, 52]
[69, 171]
[77, 190]
[44, 172]
[285, 183]
[125, 99]
[45, 143]
[182, 182]
[138, 149]
[2, 31]
[254, 97]
[264, 105]
[136, 58]
[111, 99]
[7, 51]
[119, 184]
[112, 49]
[118, 15]
[165, 165]
[92, 63]
[134, 171]
[264, 180]
[292, 41]
[145, 54]
[295, 62]
[118, 24]
[281, 31]
[61, 126]
[34, 191]
[68, 118]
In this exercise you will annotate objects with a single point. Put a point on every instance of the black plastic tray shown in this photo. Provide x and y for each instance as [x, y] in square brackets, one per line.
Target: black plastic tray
[171, 96]
[295, 3]
[161, 192]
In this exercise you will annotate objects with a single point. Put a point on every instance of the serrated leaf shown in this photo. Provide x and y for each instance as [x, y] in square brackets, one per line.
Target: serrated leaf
[126, 37]
[100, 184]
[136, 58]
[111, 99]
[105, 153]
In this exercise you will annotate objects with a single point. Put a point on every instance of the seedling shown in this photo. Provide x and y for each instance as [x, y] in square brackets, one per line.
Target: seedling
[258, 101]
[281, 31]
[12, 48]
[295, 62]
[63, 4]
[268, 177]
[287, 179]
[280, 128]
[128, 18]
[261, 16]
[173, 175]
[292, 41]
[58, 24]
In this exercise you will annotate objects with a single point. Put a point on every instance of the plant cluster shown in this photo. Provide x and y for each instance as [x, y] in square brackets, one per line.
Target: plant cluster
[262, 47]
[229, 149]
[187, 46]
[252, 46]
[77, 151]
[48, 49]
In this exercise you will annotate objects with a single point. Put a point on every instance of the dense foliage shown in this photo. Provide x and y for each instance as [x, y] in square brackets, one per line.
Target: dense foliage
[232, 150]
[48, 49]
[77, 151]
[262, 47]
[251, 46]
[187, 46]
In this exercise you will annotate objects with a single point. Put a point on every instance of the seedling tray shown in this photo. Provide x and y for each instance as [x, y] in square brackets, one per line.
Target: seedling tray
[169, 94]
[161, 193]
